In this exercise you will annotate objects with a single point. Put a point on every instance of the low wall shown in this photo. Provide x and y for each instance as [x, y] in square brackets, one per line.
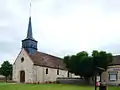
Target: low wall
[71, 81]
[2, 77]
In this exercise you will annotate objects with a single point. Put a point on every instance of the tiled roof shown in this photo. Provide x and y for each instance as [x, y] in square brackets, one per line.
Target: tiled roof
[43, 59]
[116, 60]
[47, 60]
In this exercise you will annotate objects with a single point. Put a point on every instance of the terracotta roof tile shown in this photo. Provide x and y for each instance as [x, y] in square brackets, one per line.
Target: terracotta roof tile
[43, 59]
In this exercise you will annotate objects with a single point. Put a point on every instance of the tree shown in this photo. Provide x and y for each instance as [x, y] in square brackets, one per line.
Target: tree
[101, 60]
[80, 64]
[6, 69]
[84, 65]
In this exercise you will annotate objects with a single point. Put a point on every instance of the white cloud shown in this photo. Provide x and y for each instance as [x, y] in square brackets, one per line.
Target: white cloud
[61, 26]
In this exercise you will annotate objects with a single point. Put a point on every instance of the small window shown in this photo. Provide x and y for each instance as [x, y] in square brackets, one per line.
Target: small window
[113, 76]
[68, 74]
[57, 71]
[22, 59]
[47, 71]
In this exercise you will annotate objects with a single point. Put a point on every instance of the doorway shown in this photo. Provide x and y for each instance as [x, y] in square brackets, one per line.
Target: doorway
[22, 76]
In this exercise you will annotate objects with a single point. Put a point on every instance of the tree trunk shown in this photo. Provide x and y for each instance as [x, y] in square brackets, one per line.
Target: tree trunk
[6, 79]
[100, 76]
[87, 80]
[95, 82]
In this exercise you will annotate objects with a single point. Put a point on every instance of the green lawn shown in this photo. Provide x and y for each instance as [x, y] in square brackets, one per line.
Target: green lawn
[48, 87]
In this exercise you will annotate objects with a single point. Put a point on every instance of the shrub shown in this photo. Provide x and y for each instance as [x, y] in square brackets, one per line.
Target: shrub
[50, 81]
[57, 82]
[34, 82]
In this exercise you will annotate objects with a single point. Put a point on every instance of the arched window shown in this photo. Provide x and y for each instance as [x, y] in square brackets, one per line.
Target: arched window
[46, 70]
[57, 71]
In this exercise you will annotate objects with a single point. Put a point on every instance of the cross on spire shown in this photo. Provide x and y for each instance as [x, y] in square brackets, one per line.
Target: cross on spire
[30, 9]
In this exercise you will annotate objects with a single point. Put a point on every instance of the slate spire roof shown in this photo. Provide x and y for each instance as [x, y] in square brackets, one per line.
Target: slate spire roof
[29, 33]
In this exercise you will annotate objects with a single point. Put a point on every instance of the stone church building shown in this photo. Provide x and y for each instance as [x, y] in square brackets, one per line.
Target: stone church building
[33, 66]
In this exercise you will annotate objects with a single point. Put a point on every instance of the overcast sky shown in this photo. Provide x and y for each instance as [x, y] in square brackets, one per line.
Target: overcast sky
[61, 27]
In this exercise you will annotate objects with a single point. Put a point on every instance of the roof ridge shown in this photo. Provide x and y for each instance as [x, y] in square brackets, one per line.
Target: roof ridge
[50, 55]
[116, 55]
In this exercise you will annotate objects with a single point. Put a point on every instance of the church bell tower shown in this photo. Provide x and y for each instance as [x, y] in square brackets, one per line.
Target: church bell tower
[29, 43]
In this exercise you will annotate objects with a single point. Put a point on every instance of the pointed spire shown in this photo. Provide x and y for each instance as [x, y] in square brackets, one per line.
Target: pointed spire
[29, 33]
[29, 43]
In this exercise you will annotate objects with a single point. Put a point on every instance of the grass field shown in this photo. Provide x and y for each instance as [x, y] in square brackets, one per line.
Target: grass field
[4, 86]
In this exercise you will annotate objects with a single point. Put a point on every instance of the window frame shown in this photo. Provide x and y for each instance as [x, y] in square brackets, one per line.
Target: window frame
[46, 70]
[113, 73]
[22, 59]
[58, 72]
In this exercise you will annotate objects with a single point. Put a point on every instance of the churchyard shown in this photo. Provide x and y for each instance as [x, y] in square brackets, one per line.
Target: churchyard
[4, 86]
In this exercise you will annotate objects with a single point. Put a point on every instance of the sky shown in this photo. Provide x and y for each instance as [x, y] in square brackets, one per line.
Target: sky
[61, 27]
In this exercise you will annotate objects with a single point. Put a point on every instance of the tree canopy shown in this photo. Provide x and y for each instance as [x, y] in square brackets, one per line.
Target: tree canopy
[101, 59]
[6, 69]
[85, 65]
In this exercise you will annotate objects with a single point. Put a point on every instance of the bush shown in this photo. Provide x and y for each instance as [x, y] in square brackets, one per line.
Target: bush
[57, 82]
[54, 81]
[50, 81]
[34, 82]
[46, 82]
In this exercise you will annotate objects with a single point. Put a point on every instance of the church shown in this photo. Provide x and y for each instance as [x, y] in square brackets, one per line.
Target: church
[33, 66]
